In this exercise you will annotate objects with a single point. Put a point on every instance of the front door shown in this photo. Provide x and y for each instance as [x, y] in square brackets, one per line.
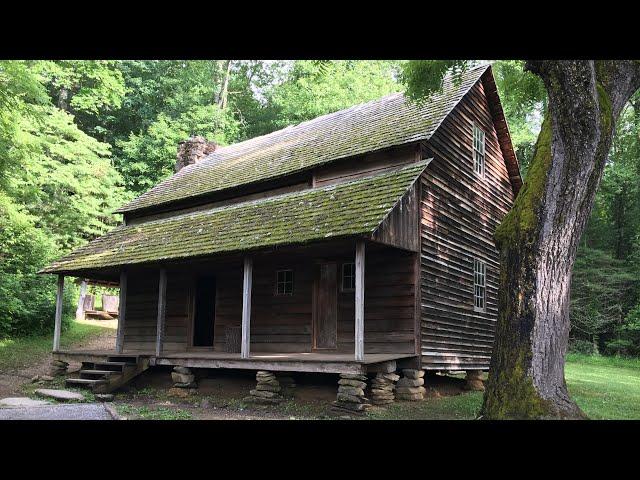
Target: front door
[204, 311]
[325, 307]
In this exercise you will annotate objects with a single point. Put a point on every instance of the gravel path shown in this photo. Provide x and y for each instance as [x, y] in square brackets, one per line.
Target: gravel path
[78, 411]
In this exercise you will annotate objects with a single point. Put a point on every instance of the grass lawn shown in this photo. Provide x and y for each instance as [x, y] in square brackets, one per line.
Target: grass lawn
[22, 352]
[604, 387]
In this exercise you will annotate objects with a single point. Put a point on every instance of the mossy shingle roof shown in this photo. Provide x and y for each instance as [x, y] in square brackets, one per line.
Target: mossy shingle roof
[348, 209]
[389, 121]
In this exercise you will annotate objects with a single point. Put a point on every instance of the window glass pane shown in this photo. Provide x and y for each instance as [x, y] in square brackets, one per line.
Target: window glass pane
[284, 282]
[348, 276]
[479, 280]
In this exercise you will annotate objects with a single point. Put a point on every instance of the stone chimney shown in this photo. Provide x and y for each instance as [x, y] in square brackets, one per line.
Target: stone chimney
[193, 150]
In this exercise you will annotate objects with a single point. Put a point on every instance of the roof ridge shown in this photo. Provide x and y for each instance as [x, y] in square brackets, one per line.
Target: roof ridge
[380, 123]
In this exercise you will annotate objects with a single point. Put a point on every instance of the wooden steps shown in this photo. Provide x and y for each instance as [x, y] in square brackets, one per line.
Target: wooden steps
[110, 374]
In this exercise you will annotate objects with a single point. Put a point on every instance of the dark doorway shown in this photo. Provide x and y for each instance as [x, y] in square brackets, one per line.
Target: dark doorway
[325, 312]
[205, 312]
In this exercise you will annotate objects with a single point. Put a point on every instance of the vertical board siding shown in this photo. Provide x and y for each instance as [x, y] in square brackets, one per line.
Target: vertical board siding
[460, 212]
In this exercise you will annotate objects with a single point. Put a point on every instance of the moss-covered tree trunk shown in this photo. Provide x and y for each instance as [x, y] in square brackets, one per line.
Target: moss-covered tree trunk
[539, 238]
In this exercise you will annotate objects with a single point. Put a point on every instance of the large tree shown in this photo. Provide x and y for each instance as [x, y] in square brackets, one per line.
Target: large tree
[538, 239]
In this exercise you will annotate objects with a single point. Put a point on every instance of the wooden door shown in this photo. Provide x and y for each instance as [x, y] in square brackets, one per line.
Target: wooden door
[325, 307]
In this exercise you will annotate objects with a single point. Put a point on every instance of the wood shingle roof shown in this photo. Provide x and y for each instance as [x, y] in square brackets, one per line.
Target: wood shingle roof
[337, 211]
[382, 123]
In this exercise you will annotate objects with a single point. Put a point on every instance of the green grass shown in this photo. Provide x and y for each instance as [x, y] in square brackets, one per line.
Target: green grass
[25, 351]
[605, 387]
[152, 413]
[458, 407]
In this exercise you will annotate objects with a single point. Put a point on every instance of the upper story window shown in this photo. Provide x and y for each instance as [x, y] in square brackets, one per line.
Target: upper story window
[479, 285]
[284, 282]
[478, 150]
[348, 277]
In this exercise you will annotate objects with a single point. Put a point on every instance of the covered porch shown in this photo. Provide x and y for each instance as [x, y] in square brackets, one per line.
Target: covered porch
[348, 306]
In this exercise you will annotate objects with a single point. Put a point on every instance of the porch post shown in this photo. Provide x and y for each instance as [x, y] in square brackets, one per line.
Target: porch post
[162, 309]
[359, 327]
[246, 307]
[83, 294]
[121, 311]
[58, 318]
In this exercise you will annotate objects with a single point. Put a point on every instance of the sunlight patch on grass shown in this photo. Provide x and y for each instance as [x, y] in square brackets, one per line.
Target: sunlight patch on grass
[25, 351]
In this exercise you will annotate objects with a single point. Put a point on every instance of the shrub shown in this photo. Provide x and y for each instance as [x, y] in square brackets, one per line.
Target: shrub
[27, 300]
[582, 346]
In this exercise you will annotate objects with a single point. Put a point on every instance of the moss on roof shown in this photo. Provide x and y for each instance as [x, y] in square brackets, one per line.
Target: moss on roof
[348, 209]
[382, 123]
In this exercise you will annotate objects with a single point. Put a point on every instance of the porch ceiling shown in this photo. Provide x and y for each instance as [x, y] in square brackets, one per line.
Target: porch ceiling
[337, 211]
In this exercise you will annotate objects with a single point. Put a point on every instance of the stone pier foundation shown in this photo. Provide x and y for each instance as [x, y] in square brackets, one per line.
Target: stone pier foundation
[350, 396]
[474, 381]
[382, 388]
[410, 387]
[58, 367]
[288, 385]
[184, 382]
[268, 390]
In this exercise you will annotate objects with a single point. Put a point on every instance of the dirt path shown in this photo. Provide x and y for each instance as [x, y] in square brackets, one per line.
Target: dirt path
[12, 380]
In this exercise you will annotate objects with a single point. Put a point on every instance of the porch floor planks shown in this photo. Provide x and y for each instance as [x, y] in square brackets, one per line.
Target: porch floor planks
[295, 362]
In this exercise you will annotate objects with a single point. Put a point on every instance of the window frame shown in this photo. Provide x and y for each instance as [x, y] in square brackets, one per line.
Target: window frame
[284, 282]
[479, 167]
[343, 276]
[479, 285]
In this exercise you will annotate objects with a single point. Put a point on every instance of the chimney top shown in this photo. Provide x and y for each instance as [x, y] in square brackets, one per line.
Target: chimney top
[193, 150]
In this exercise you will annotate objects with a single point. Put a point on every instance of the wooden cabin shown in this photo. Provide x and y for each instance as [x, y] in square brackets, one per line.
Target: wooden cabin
[360, 240]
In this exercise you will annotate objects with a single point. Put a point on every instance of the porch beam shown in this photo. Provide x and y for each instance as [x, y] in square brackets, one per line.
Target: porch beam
[162, 310]
[121, 311]
[58, 318]
[359, 307]
[246, 307]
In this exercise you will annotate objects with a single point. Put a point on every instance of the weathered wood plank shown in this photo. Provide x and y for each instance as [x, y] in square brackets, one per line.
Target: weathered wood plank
[246, 307]
[359, 301]
[122, 312]
[58, 318]
[162, 310]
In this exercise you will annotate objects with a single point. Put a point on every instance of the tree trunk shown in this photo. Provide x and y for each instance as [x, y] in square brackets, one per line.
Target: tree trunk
[539, 237]
[224, 90]
[63, 99]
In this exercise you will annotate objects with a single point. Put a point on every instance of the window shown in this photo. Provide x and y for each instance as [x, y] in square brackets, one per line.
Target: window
[348, 277]
[479, 285]
[478, 150]
[284, 282]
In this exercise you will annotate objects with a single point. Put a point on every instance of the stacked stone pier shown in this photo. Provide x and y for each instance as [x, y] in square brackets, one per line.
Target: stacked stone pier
[473, 381]
[184, 382]
[350, 396]
[410, 387]
[58, 367]
[382, 388]
[268, 390]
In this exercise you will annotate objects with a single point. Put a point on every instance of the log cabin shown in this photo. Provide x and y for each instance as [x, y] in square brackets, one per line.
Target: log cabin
[360, 241]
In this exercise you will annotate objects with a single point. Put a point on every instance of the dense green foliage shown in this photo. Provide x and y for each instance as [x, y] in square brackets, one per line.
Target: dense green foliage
[78, 138]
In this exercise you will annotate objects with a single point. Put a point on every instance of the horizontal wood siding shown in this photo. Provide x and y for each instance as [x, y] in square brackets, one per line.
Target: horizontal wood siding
[142, 313]
[460, 212]
[280, 323]
[389, 305]
[372, 163]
